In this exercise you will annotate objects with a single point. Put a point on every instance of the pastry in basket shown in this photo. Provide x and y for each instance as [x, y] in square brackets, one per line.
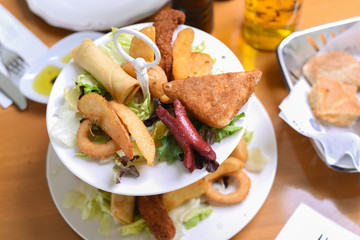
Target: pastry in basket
[334, 101]
[336, 65]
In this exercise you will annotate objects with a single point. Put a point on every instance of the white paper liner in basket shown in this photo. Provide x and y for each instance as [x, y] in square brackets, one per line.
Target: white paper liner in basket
[295, 109]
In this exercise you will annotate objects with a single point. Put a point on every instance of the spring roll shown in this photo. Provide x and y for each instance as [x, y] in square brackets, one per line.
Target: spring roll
[115, 80]
[122, 208]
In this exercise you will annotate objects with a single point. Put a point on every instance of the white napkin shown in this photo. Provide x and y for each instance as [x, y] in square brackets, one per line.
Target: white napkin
[15, 36]
[306, 223]
[295, 109]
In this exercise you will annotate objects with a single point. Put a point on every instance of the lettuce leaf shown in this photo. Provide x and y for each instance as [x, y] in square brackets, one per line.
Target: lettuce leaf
[109, 49]
[133, 228]
[170, 149]
[193, 217]
[248, 135]
[142, 110]
[92, 203]
[87, 83]
[221, 133]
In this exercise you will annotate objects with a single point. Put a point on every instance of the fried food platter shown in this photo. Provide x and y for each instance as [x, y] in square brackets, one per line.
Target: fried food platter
[162, 177]
[226, 220]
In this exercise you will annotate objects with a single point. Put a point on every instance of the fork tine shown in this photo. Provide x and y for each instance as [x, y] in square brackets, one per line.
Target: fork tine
[12, 61]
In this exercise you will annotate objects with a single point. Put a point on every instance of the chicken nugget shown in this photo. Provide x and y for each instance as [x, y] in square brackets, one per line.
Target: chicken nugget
[156, 217]
[165, 23]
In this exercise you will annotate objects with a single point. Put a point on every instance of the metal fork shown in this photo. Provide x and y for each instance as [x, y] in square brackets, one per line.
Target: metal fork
[13, 62]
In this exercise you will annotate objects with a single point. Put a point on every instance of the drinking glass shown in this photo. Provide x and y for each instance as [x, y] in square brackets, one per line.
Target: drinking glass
[268, 22]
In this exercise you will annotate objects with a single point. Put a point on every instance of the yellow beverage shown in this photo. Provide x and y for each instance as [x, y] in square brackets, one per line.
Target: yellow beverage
[268, 22]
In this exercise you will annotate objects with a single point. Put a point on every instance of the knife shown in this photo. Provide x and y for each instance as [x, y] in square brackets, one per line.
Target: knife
[13, 92]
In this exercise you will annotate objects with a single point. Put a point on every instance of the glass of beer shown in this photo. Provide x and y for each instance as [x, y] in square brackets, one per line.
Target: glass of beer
[268, 22]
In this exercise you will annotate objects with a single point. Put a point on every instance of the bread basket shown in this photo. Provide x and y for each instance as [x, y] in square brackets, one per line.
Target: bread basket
[296, 49]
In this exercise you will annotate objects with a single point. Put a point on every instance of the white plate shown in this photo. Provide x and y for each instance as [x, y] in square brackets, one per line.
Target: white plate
[162, 177]
[53, 57]
[94, 15]
[223, 223]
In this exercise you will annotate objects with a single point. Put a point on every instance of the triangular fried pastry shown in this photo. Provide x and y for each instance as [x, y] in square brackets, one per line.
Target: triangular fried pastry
[214, 99]
[334, 101]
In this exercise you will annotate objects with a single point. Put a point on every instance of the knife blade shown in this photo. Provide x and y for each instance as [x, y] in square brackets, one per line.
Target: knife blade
[13, 92]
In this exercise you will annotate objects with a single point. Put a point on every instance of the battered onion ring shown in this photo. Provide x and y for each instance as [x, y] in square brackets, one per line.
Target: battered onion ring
[235, 197]
[90, 148]
[231, 164]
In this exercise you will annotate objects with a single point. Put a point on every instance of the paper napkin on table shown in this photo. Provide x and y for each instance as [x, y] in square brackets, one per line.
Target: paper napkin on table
[15, 36]
[306, 223]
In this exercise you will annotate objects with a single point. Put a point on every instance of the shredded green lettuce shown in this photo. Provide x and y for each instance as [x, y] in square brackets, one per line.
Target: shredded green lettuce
[200, 47]
[92, 203]
[109, 49]
[90, 84]
[142, 110]
[248, 135]
[193, 217]
[133, 228]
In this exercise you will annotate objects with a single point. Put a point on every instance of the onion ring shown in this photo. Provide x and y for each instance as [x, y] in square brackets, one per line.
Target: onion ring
[234, 197]
[231, 164]
[90, 148]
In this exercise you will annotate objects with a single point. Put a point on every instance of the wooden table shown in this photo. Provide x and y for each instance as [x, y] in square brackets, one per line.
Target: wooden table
[26, 207]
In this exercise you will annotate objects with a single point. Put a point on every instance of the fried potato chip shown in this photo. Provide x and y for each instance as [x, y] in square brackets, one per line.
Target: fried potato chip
[182, 49]
[138, 131]
[138, 48]
[175, 198]
[122, 208]
[96, 108]
[200, 64]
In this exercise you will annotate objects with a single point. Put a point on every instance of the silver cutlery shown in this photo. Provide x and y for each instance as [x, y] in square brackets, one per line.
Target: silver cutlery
[13, 92]
[13, 62]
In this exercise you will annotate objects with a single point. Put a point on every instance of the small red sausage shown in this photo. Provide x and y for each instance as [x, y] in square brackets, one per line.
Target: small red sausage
[185, 134]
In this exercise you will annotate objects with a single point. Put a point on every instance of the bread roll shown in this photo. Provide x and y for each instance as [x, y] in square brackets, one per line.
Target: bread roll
[338, 65]
[334, 101]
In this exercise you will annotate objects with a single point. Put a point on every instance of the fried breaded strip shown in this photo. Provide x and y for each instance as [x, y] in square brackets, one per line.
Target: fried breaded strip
[156, 217]
[214, 99]
[165, 23]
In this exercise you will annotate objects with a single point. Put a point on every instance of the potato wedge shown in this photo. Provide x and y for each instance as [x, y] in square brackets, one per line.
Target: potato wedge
[175, 198]
[182, 49]
[200, 64]
[138, 131]
[240, 151]
[96, 108]
[157, 78]
[138, 48]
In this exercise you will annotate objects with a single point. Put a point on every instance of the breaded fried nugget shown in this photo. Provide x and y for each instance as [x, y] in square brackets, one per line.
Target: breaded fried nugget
[165, 23]
[156, 217]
